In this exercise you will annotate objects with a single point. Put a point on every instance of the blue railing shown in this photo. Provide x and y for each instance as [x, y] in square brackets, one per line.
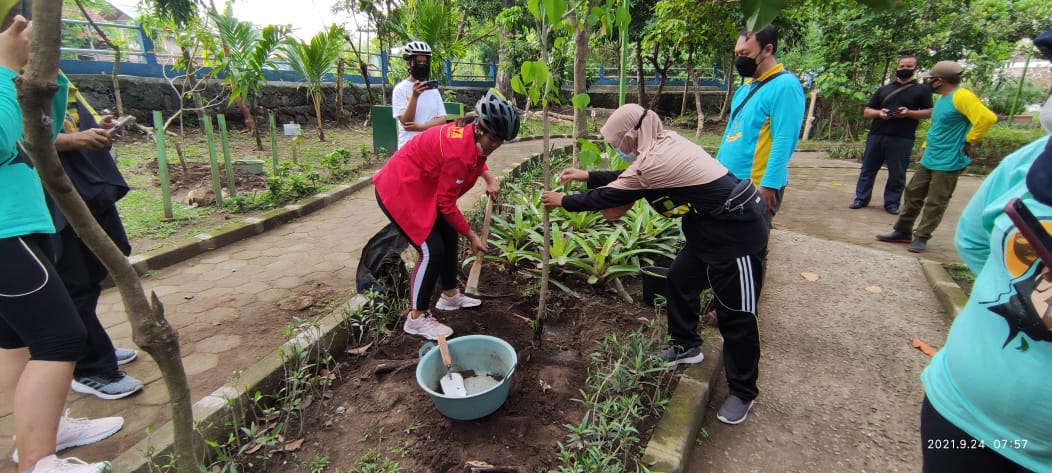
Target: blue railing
[143, 57]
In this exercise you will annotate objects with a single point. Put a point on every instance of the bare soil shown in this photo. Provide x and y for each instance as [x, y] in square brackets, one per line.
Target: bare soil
[377, 405]
[198, 179]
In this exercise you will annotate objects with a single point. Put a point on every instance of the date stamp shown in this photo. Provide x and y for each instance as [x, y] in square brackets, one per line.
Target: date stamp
[973, 444]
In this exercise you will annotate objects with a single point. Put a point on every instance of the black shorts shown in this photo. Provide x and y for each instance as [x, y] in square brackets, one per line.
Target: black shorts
[35, 309]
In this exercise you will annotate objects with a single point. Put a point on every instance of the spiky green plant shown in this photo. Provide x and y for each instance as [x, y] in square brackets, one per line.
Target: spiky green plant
[312, 61]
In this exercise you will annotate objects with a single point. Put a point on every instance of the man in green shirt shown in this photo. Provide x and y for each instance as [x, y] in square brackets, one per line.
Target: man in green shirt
[958, 121]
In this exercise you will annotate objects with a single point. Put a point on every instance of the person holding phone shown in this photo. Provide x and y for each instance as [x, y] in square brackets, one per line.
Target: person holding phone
[986, 390]
[84, 151]
[41, 335]
[896, 109]
[416, 102]
[958, 121]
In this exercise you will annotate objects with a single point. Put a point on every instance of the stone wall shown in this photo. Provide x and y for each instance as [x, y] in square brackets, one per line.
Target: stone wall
[142, 96]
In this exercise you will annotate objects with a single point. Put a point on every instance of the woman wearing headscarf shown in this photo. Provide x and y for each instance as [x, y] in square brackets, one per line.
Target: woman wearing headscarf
[724, 228]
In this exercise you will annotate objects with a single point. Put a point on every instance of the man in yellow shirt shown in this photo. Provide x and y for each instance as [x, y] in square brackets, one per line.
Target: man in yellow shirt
[958, 121]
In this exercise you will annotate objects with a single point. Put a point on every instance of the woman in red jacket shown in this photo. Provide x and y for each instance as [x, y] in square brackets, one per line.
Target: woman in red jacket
[418, 189]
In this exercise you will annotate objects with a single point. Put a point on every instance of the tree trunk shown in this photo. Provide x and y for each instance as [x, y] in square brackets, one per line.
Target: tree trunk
[581, 33]
[686, 86]
[339, 92]
[503, 80]
[316, 95]
[255, 129]
[693, 76]
[542, 296]
[149, 328]
[641, 92]
[727, 78]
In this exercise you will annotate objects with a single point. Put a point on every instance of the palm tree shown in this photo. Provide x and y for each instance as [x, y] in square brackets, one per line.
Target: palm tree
[313, 60]
[246, 52]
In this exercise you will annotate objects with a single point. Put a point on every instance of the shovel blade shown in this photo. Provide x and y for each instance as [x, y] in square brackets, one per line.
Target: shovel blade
[453, 385]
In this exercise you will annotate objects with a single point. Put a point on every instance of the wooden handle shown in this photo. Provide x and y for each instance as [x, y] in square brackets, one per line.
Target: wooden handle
[476, 269]
[485, 220]
[443, 347]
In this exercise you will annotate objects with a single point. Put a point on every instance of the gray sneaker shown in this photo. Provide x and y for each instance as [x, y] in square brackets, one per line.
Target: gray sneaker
[125, 355]
[918, 245]
[115, 386]
[734, 410]
[681, 356]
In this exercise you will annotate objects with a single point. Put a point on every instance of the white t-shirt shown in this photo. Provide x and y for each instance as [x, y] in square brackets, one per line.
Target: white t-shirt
[428, 107]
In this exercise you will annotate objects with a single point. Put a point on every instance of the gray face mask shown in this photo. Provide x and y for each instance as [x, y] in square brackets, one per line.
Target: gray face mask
[1046, 116]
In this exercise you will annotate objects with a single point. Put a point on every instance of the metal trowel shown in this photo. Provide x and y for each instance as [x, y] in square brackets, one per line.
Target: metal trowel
[452, 383]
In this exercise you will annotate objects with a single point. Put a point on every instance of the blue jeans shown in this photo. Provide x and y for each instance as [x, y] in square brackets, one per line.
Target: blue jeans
[893, 150]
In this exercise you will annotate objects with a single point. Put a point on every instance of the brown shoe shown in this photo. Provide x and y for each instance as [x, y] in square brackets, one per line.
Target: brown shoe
[896, 237]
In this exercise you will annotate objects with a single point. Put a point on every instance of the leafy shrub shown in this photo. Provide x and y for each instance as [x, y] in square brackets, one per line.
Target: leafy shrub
[1001, 96]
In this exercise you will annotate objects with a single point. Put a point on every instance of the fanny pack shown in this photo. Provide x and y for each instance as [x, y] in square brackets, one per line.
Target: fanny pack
[744, 203]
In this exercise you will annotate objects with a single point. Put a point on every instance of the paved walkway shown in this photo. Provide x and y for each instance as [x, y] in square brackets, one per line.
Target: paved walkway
[223, 303]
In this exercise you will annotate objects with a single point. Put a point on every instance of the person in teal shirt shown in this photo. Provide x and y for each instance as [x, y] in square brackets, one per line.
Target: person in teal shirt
[958, 121]
[41, 335]
[766, 116]
[986, 388]
[985, 403]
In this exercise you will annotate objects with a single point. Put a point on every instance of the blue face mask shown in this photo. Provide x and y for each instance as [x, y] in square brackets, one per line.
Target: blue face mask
[628, 157]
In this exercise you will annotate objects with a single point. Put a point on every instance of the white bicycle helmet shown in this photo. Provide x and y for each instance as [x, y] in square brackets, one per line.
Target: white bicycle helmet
[415, 48]
[497, 115]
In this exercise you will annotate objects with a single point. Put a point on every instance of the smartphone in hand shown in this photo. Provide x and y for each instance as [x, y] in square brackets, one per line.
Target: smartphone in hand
[1031, 229]
[432, 84]
[122, 124]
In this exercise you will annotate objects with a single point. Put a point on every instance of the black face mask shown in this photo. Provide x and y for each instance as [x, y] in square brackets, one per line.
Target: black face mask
[746, 66]
[929, 83]
[421, 72]
[904, 74]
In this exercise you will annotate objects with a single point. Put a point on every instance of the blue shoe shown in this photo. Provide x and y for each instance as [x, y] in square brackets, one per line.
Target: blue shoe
[115, 386]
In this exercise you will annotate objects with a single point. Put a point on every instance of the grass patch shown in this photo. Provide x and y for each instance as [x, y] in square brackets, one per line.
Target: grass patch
[963, 276]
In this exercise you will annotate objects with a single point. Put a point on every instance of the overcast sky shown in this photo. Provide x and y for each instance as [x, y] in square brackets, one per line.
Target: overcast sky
[306, 16]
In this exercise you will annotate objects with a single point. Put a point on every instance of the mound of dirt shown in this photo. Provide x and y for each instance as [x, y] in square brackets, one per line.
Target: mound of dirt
[194, 187]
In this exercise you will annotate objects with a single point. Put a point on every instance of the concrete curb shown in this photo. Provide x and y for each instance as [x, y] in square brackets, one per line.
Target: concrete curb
[215, 413]
[669, 448]
[946, 289]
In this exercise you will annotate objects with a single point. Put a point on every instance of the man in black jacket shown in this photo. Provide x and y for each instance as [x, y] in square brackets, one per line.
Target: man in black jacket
[895, 109]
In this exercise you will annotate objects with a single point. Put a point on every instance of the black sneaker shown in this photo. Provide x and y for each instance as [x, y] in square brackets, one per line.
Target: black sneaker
[896, 237]
[734, 410]
[892, 209]
[681, 356]
[857, 204]
[918, 245]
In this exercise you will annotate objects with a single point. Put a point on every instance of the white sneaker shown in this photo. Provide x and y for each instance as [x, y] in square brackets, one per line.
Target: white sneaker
[53, 464]
[459, 301]
[426, 326]
[74, 432]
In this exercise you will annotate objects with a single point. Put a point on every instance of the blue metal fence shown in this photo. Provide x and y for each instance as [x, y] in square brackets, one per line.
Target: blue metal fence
[142, 57]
